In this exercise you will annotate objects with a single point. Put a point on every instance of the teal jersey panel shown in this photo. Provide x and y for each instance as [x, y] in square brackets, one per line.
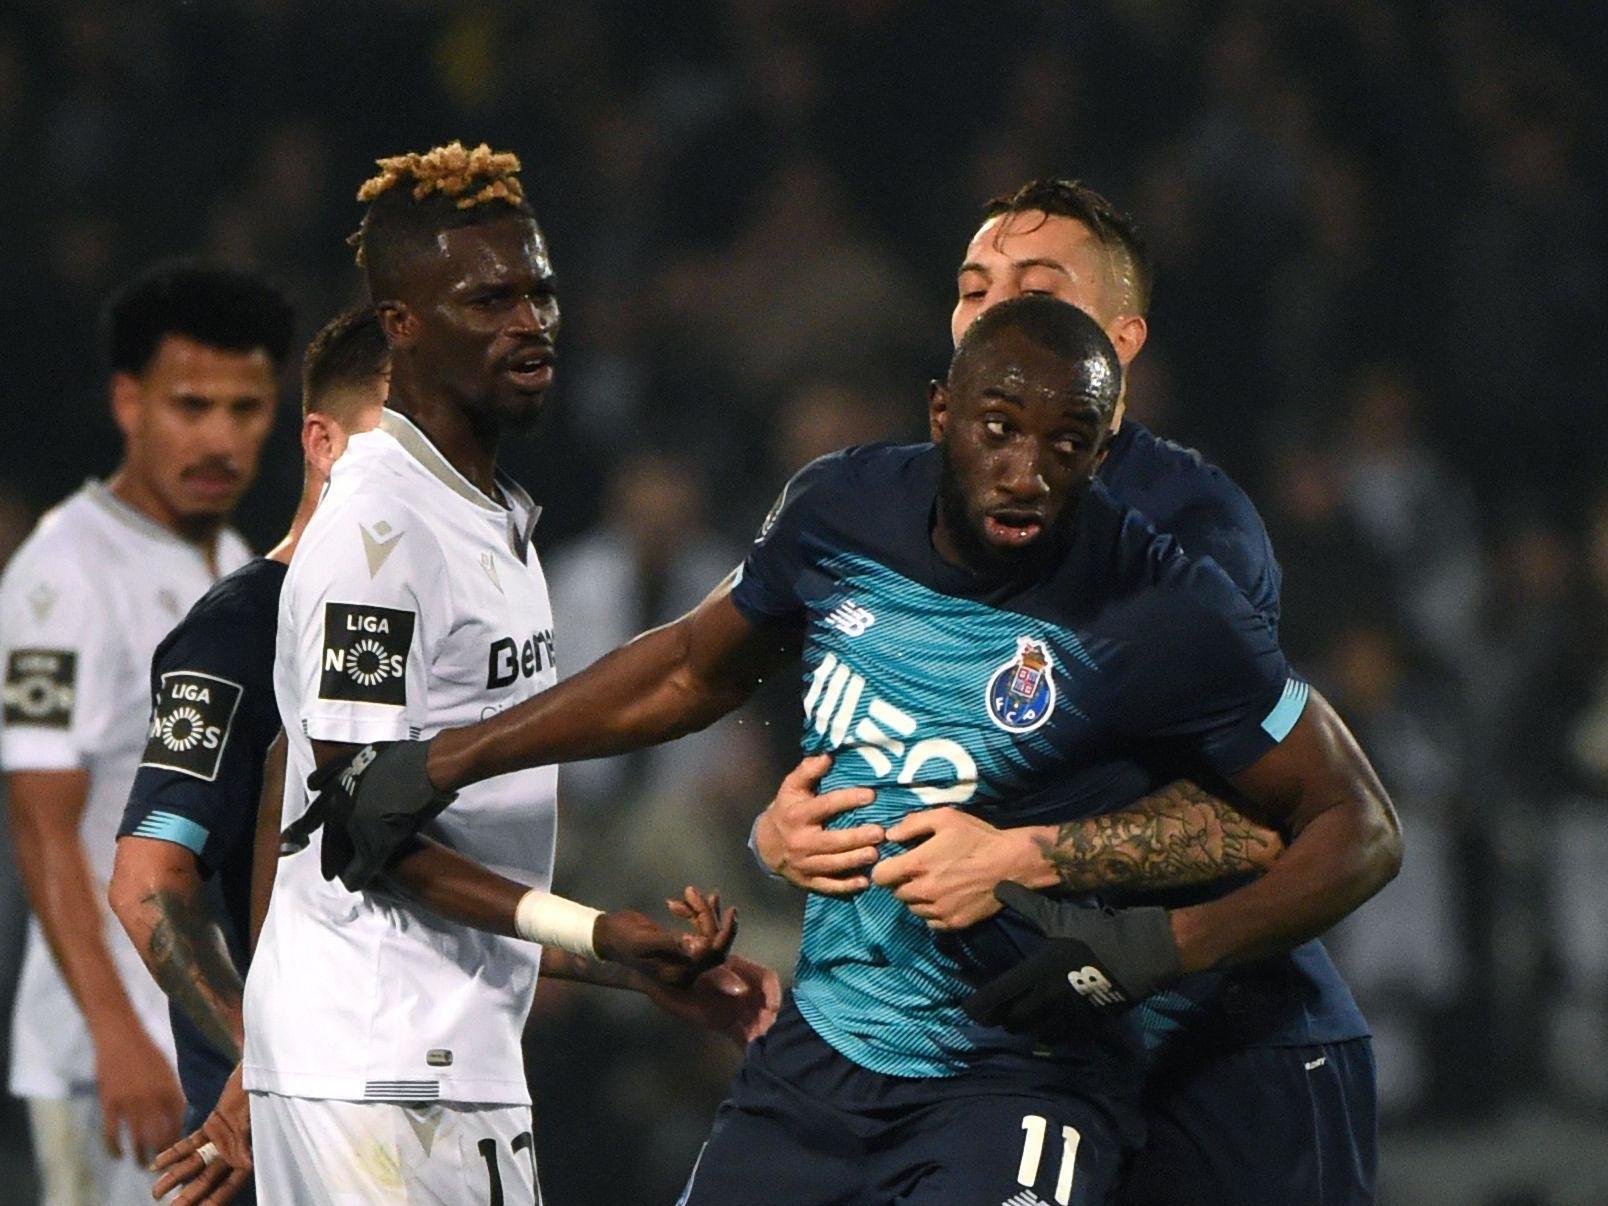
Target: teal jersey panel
[930, 700]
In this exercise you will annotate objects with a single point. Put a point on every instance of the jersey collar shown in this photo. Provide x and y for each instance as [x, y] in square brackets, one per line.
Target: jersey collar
[521, 516]
[101, 495]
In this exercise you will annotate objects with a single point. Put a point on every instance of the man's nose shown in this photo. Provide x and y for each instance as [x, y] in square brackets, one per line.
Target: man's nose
[1023, 475]
[534, 315]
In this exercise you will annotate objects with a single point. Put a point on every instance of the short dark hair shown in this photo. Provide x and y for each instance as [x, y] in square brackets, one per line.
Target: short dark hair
[218, 306]
[1057, 326]
[350, 351]
[416, 196]
[1062, 197]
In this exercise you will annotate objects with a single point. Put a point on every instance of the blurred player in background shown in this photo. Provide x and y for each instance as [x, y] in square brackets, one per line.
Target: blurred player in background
[194, 352]
[1263, 1089]
[383, 1055]
[182, 882]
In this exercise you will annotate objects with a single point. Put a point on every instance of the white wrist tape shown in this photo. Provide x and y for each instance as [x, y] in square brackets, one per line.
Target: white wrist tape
[555, 921]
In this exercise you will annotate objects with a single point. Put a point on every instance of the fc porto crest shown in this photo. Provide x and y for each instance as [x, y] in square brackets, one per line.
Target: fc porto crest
[1021, 693]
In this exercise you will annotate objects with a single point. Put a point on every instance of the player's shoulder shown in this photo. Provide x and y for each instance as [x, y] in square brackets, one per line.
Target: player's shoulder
[1166, 479]
[68, 546]
[239, 608]
[1132, 560]
[371, 535]
[370, 491]
[855, 477]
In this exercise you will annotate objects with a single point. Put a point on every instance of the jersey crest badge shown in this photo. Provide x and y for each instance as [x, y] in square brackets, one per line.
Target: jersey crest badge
[1021, 693]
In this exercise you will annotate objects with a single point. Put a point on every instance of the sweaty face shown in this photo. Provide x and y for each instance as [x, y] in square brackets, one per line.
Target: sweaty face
[1022, 432]
[1033, 253]
[195, 420]
[487, 310]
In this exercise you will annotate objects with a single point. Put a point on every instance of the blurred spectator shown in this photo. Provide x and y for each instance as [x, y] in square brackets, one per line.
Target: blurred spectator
[1412, 512]
[651, 559]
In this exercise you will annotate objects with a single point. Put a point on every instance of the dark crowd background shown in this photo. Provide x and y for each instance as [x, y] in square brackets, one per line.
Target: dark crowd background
[1379, 234]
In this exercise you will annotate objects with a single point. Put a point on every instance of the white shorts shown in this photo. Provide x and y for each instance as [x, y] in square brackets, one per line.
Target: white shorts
[75, 1169]
[312, 1152]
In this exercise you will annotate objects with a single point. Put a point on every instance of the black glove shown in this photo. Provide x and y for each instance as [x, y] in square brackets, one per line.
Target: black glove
[1096, 962]
[369, 804]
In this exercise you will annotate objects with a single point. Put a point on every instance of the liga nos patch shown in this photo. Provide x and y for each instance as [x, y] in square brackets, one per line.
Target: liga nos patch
[365, 657]
[190, 723]
[40, 687]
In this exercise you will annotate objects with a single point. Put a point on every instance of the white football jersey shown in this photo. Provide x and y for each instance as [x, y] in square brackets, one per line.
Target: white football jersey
[414, 603]
[83, 606]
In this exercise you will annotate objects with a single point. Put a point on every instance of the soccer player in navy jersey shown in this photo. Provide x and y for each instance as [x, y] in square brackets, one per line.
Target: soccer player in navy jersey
[980, 623]
[1262, 1089]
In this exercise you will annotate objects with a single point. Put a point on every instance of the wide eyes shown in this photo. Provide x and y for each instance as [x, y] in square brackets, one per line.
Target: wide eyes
[999, 429]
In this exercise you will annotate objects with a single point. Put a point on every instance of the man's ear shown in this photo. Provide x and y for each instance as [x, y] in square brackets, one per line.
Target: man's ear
[937, 410]
[1128, 333]
[400, 324]
[322, 442]
[128, 402]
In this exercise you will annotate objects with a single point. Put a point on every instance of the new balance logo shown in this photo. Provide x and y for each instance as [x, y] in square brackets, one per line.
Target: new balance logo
[850, 619]
[358, 765]
[1090, 983]
[1026, 1198]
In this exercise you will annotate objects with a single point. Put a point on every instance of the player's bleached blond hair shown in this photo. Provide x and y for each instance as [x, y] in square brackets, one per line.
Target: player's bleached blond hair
[417, 195]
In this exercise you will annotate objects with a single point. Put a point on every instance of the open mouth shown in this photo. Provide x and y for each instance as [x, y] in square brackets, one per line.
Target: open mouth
[1013, 529]
[532, 369]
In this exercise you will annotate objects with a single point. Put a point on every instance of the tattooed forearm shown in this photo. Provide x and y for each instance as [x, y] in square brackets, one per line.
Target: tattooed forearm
[189, 959]
[1176, 837]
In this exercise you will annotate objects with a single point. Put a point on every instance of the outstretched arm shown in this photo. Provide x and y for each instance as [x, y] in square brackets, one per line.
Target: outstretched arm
[737, 998]
[666, 683]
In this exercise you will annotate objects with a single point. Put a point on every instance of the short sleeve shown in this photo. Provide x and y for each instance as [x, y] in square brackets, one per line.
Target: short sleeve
[63, 655]
[767, 586]
[1208, 678]
[366, 600]
[200, 776]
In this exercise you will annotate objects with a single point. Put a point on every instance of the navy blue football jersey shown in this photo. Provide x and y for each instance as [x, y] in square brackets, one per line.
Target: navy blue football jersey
[1293, 999]
[213, 718]
[936, 688]
[1186, 496]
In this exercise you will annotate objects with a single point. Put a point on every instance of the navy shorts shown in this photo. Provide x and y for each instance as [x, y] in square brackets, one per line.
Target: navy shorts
[805, 1126]
[1260, 1126]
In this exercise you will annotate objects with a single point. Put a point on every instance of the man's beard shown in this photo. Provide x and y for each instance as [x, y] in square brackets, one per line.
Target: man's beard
[988, 560]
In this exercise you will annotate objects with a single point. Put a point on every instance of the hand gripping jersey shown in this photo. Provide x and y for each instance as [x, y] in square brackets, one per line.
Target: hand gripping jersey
[414, 603]
[82, 605]
[199, 782]
[934, 689]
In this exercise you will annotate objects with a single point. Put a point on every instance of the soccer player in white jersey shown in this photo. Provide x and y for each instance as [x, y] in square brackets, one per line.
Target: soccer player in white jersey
[193, 353]
[382, 1043]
